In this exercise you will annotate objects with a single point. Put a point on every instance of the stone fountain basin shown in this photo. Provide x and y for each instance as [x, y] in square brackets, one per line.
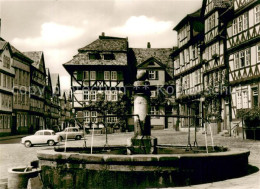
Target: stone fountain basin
[113, 169]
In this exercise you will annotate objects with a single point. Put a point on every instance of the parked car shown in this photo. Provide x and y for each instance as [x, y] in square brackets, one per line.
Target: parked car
[41, 137]
[71, 132]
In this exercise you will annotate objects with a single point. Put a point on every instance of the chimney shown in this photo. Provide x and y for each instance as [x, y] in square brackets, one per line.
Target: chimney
[148, 45]
[103, 34]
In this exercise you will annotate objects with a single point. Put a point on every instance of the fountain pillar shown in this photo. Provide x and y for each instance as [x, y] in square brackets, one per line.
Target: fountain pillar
[142, 142]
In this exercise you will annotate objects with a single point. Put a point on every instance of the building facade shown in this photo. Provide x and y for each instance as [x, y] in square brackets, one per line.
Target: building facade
[38, 82]
[188, 69]
[6, 86]
[99, 74]
[21, 90]
[243, 54]
[158, 64]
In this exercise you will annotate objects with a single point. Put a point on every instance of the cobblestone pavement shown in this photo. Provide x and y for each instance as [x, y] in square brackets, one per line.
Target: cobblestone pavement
[12, 155]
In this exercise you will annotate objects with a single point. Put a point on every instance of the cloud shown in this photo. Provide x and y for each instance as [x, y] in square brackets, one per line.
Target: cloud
[52, 34]
[143, 25]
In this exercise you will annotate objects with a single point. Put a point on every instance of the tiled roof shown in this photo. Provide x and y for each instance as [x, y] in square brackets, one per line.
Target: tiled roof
[15, 51]
[35, 56]
[83, 59]
[106, 43]
[160, 54]
[195, 14]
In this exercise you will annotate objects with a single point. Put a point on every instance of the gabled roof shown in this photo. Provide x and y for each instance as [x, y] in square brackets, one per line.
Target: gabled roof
[162, 55]
[14, 51]
[151, 60]
[106, 43]
[36, 56]
[55, 83]
[194, 15]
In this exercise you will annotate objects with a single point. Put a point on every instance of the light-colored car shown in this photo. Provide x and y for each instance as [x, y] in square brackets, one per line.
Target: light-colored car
[41, 137]
[71, 132]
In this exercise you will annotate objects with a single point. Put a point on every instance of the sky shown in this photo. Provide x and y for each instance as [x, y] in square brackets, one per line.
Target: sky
[60, 27]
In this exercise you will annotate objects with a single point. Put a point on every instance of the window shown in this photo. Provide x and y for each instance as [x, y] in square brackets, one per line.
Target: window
[106, 75]
[242, 59]
[239, 100]
[4, 80]
[86, 95]
[211, 22]
[196, 77]
[255, 97]
[107, 95]
[93, 116]
[257, 14]
[245, 99]
[111, 119]
[194, 53]
[246, 21]
[248, 55]
[258, 52]
[86, 75]
[240, 23]
[234, 26]
[187, 55]
[154, 110]
[94, 56]
[109, 57]
[87, 116]
[6, 62]
[92, 75]
[153, 94]
[114, 95]
[113, 75]
[93, 95]
[153, 74]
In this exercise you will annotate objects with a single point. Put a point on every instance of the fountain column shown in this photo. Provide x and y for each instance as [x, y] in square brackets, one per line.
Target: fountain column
[142, 142]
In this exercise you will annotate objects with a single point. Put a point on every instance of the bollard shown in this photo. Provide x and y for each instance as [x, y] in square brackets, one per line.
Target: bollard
[18, 177]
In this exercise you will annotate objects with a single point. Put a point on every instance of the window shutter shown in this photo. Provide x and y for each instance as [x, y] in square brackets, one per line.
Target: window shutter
[100, 75]
[156, 75]
[79, 75]
[120, 75]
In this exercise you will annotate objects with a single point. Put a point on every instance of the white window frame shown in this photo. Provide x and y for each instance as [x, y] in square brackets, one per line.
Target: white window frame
[93, 117]
[245, 99]
[258, 52]
[240, 23]
[86, 75]
[86, 95]
[106, 75]
[111, 119]
[113, 95]
[235, 26]
[87, 116]
[113, 75]
[152, 74]
[153, 94]
[245, 21]
[257, 14]
[92, 75]
[154, 110]
[247, 57]
[93, 95]
[239, 99]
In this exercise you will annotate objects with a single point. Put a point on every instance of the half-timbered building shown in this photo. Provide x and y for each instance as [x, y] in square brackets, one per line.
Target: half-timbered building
[243, 45]
[38, 82]
[21, 97]
[188, 68]
[55, 100]
[158, 64]
[99, 72]
[216, 106]
[6, 87]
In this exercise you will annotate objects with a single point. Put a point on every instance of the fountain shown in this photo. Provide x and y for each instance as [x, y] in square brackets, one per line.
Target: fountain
[142, 163]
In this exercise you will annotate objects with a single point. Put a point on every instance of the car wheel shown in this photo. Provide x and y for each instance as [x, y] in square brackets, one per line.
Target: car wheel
[51, 143]
[28, 144]
[78, 137]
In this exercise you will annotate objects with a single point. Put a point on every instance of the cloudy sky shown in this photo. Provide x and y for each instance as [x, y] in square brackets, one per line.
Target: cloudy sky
[60, 27]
